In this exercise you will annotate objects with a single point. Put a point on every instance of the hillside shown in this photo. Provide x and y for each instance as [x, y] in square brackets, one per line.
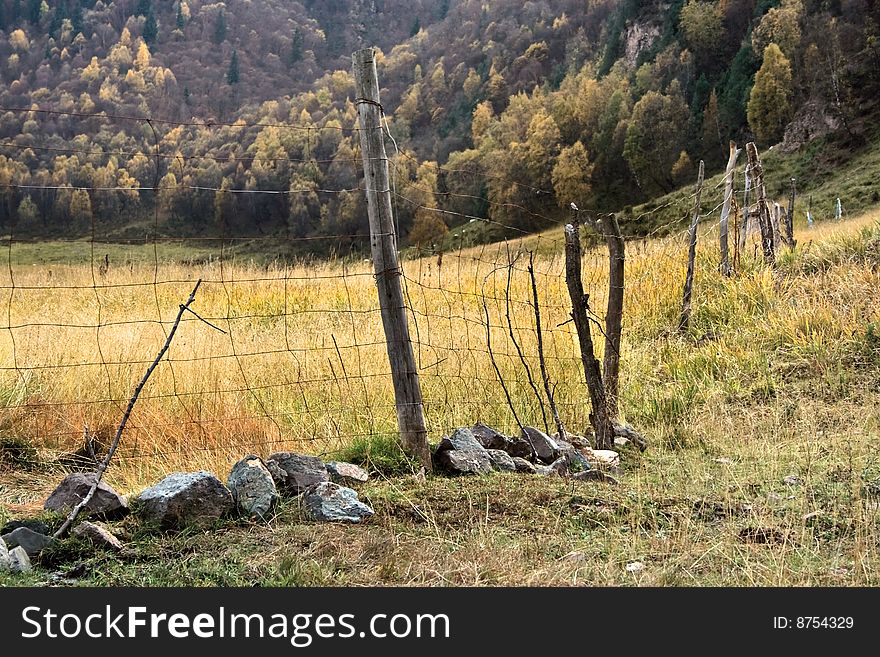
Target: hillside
[504, 111]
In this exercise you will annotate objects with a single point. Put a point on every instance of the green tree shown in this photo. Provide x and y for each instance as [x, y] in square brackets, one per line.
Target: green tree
[780, 25]
[703, 28]
[33, 11]
[296, 45]
[143, 7]
[232, 75]
[28, 213]
[220, 28]
[655, 135]
[769, 106]
[180, 20]
[151, 27]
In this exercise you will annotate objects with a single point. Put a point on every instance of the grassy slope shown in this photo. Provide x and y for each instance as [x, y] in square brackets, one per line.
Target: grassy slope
[778, 377]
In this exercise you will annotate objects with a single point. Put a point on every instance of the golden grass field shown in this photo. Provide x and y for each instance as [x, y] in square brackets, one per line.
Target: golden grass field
[777, 376]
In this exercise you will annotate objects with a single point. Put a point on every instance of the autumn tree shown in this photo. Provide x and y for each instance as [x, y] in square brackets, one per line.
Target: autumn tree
[780, 25]
[703, 29]
[572, 176]
[769, 106]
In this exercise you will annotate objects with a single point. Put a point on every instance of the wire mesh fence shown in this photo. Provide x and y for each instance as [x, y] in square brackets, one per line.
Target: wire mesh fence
[285, 350]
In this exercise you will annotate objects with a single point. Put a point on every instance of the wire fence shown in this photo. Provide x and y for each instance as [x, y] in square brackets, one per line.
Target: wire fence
[286, 352]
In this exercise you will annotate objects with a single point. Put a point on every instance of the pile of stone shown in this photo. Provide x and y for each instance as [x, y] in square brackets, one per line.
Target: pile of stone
[480, 450]
[194, 499]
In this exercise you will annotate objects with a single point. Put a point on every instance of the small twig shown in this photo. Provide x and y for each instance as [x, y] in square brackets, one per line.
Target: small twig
[560, 429]
[522, 358]
[99, 473]
[199, 317]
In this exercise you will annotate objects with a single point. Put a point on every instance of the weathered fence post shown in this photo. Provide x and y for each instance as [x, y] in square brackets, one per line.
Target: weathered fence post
[614, 312]
[789, 217]
[685, 318]
[768, 240]
[725, 209]
[600, 418]
[744, 226]
[383, 245]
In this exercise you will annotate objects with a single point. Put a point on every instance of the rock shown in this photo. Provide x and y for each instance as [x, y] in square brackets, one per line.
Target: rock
[595, 475]
[524, 466]
[792, 480]
[252, 486]
[341, 472]
[519, 448]
[576, 461]
[19, 561]
[332, 502]
[4, 557]
[544, 446]
[98, 535]
[635, 567]
[605, 459]
[462, 440]
[489, 437]
[30, 541]
[36, 525]
[560, 466]
[106, 503]
[293, 473]
[501, 460]
[465, 461]
[185, 498]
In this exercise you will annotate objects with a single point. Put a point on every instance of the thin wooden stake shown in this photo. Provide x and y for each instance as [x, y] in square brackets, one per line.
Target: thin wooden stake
[685, 318]
[102, 467]
[548, 390]
[789, 217]
[726, 269]
[768, 239]
[614, 313]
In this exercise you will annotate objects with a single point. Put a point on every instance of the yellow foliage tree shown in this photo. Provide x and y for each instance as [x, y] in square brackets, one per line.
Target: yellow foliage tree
[769, 107]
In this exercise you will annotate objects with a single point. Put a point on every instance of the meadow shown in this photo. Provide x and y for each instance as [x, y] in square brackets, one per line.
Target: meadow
[762, 420]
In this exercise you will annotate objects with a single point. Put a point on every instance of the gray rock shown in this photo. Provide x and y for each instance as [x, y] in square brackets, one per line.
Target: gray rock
[37, 525]
[561, 466]
[294, 473]
[106, 503]
[546, 470]
[465, 461]
[98, 535]
[501, 460]
[341, 472]
[526, 467]
[185, 498]
[4, 557]
[792, 480]
[595, 475]
[252, 486]
[461, 439]
[545, 447]
[489, 437]
[30, 541]
[19, 561]
[332, 502]
[576, 461]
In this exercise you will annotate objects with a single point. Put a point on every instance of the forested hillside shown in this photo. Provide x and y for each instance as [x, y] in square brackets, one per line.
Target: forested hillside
[524, 106]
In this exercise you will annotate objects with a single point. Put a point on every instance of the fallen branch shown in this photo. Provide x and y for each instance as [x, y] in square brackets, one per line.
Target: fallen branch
[102, 467]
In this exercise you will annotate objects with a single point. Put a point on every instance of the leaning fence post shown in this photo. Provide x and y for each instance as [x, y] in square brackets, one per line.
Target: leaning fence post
[614, 313]
[725, 209]
[685, 318]
[768, 240]
[383, 245]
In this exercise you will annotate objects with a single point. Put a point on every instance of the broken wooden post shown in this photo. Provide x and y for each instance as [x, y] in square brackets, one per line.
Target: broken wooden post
[614, 312]
[768, 240]
[746, 213]
[725, 208]
[685, 318]
[599, 418]
[383, 245]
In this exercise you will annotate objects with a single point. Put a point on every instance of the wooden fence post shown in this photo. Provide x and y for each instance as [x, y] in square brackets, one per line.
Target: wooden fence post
[744, 226]
[599, 418]
[614, 312]
[725, 209]
[685, 318]
[789, 217]
[383, 245]
[768, 240]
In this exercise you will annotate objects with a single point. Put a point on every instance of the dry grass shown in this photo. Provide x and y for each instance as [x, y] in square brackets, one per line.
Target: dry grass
[777, 377]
